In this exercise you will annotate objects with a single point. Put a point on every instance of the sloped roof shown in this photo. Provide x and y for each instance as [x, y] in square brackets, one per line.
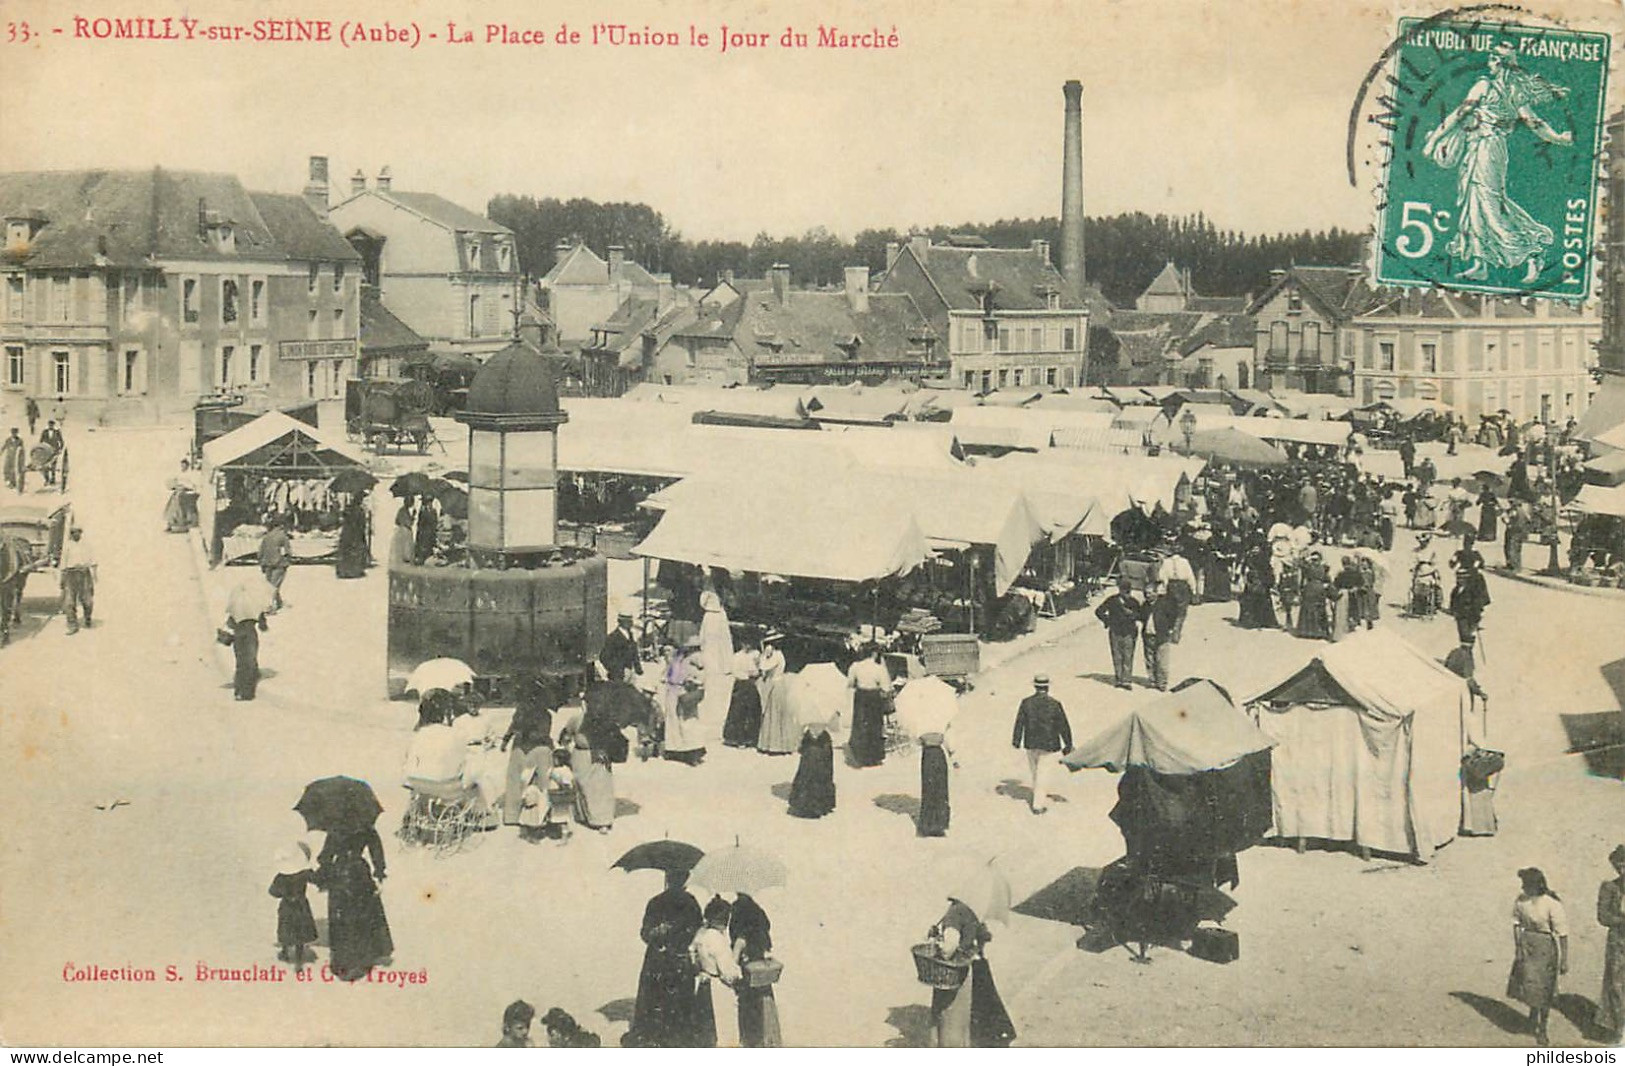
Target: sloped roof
[1607, 409]
[437, 208]
[821, 326]
[382, 332]
[120, 218]
[1219, 305]
[1221, 331]
[1168, 282]
[1022, 278]
[1194, 729]
[274, 441]
[1339, 292]
[578, 266]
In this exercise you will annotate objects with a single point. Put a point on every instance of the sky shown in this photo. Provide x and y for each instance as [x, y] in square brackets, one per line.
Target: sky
[1237, 109]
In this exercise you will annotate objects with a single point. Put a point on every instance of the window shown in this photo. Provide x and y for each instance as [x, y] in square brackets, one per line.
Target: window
[1004, 378]
[17, 234]
[62, 372]
[338, 379]
[256, 301]
[14, 297]
[254, 352]
[1430, 359]
[473, 255]
[1016, 378]
[970, 379]
[1052, 301]
[60, 303]
[132, 295]
[1311, 341]
[228, 301]
[310, 379]
[1489, 356]
[338, 277]
[338, 321]
[133, 373]
[189, 312]
[987, 381]
[1069, 379]
[1004, 339]
[1385, 356]
[315, 276]
[1049, 376]
[1069, 339]
[311, 328]
[504, 257]
[227, 238]
[14, 364]
[1278, 338]
[971, 337]
[226, 352]
[1294, 302]
[474, 315]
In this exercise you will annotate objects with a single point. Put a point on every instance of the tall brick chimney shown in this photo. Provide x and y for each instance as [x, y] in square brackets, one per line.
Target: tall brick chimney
[779, 273]
[316, 186]
[1072, 263]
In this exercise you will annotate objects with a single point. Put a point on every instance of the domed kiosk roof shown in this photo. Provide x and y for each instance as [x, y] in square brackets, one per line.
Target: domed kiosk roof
[515, 389]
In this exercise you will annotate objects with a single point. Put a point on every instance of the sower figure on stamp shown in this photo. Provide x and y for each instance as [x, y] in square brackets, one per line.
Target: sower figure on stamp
[1492, 230]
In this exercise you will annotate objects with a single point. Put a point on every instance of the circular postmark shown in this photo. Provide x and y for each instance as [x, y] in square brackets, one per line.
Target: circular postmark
[1489, 131]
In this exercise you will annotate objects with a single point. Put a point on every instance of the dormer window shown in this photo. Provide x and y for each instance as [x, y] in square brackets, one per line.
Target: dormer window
[225, 238]
[1294, 302]
[1053, 301]
[17, 234]
[338, 277]
[504, 257]
[473, 255]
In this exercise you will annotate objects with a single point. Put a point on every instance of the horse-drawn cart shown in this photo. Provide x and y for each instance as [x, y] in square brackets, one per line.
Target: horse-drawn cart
[390, 414]
[32, 532]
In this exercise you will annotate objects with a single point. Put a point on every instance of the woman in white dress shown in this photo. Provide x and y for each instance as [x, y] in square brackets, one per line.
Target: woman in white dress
[781, 732]
[717, 652]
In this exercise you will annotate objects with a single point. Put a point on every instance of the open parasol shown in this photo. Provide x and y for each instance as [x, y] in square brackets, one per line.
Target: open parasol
[983, 887]
[739, 869]
[339, 805]
[926, 705]
[665, 855]
[1231, 445]
[412, 483]
[819, 695]
[449, 674]
[250, 598]
[352, 479]
[453, 499]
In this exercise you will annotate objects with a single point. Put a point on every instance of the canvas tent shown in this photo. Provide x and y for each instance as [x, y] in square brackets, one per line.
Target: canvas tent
[1600, 499]
[1606, 411]
[1368, 747]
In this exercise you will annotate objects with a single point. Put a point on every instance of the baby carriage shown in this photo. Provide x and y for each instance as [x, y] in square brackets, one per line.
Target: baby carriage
[1427, 593]
[444, 816]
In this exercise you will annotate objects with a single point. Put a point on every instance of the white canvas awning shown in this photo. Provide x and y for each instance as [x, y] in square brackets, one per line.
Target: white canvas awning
[275, 444]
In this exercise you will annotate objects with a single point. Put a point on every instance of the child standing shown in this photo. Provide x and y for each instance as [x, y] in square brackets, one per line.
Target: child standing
[295, 925]
[561, 795]
[533, 808]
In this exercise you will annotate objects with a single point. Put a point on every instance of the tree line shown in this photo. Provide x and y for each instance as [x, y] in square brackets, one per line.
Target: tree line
[1123, 252]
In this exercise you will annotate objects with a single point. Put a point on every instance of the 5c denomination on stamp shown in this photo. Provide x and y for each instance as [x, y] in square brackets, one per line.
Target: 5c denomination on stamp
[1492, 170]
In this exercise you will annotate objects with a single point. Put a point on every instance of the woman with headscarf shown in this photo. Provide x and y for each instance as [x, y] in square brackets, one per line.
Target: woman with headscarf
[356, 926]
[717, 653]
[351, 561]
[594, 739]
[780, 729]
[1540, 936]
[744, 721]
[1610, 1020]
[751, 935]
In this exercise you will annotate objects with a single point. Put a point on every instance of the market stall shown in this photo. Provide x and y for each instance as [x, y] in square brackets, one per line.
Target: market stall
[273, 468]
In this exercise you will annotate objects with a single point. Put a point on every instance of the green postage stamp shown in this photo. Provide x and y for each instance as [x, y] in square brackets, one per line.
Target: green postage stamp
[1493, 165]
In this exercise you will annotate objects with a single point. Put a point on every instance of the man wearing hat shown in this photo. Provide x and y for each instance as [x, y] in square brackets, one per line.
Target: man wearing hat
[619, 656]
[1121, 613]
[1041, 730]
[78, 579]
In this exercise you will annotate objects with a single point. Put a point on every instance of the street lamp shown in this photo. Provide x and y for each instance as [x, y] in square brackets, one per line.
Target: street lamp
[1187, 425]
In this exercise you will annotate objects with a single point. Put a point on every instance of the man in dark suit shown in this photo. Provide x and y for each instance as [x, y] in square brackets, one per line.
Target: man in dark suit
[1121, 614]
[1041, 730]
[619, 656]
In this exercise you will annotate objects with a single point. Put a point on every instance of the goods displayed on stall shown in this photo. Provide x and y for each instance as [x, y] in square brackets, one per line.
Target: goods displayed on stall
[272, 470]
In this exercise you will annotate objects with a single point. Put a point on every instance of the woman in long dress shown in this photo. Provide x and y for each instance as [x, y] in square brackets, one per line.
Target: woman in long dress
[1477, 786]
[1610, 1021]
[682, 692]
[812, 792]
[934, 808]
[752, 937]
[1540, 935]
[352, 551]
[713, 958]
[1492, 230]
[1313, 620]
[744, 721]
[592, 738]
[779, 726]
[717, 652]
[402, 550]
[663, 1012]
[357, 929]
[973, 1014]
[1258, 581]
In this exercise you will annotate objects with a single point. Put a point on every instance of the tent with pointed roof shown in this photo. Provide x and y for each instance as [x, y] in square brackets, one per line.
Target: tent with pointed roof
[1368, 747]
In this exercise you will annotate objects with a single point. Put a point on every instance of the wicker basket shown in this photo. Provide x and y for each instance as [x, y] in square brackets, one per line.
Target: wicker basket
[936, 971]
[762, 973]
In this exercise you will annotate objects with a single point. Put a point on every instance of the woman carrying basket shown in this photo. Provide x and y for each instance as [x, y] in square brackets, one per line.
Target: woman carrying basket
[970, 1014]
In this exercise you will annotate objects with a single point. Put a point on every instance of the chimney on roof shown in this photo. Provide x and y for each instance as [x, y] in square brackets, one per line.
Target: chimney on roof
[919, 244]
[779, 274]
[358, 183]
[1072, 262]
[893, 250]
[857, 290]
[385, 179]
[617, 259]
[1041, 249]
[727, 277]
[316, 186]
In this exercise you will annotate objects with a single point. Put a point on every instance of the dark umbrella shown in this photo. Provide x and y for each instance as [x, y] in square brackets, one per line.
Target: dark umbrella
[453, 499]
[458, 475]
[352, 479]
[339, 805]
[665, 855]
[413, 483]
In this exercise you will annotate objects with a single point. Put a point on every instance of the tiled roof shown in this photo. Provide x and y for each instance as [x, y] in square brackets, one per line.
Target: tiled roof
[1337, 291]
[298, 232]
[821, 326]
[123, 217]
[634, 274]
[1221, 331]
[382, 332]
[711, 322]
[1021, 277]
[1167, 283]
[578, 266]
[439, 209]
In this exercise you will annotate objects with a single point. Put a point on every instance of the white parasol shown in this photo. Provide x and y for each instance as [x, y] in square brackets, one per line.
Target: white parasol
[252, 597]
[819, 695]
[926, 705]
[983, 887]
[449, 674]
